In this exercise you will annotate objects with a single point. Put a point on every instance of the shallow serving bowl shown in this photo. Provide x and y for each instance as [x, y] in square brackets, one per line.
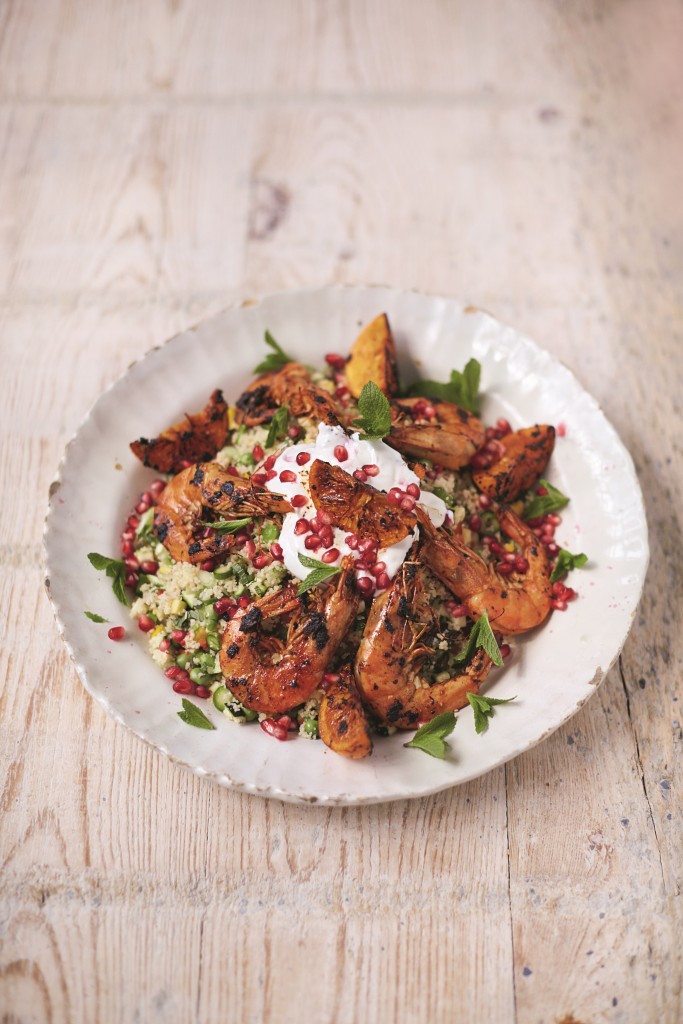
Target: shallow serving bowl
[553, 671]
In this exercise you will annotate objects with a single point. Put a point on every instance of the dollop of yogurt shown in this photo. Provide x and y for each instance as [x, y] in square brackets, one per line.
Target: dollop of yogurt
[392, 472]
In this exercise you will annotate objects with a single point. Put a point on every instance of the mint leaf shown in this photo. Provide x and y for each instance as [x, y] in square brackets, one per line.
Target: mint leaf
[191, 715]
[94, 617]
[375, 418]
[228, 525]
[483, 709]
[278, 426]
[321, 572]
[275, 359]
[565, 562]
[481, 635]
[541, 504]
[462, 389]
[431, 737]
[116, 570]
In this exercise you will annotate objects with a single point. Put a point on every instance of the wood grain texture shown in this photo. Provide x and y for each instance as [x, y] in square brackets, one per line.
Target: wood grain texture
[159, 161]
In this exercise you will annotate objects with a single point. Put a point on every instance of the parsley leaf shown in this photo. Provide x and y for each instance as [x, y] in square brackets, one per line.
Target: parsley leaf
[278, 426]
[191, 715]
[275, 359]
[116, 570]
[94, 617]
[541, 504]
[431, 737]
[375, 418]
[481, 635]
[565, 562]
[462, 389]
[483, 709]
[229, 525]
[321, 572]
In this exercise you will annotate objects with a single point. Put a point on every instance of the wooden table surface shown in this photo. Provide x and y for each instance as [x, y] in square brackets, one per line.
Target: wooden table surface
[161, 160]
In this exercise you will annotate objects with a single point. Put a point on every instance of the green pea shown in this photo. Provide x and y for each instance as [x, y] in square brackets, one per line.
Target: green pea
[311, 727]
[249, 715]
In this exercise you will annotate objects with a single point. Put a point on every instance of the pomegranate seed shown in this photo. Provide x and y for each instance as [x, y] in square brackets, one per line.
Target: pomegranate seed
[156, 488]
[340, 453]
[262, 560]
[312, 542]
[429, 412]
[287, 476]
[337, 362]
[178, 636]
[542, 491]
[276, 551]
[185, 464]
[407, 504]
[270, 726]
[369, 544]
[553, 549]
[504, 568]
[420, 406]
[325, 518]
[222, 606]
[270, 462]
[250, 548]
[301, 526]
[208, 565]
[331, 678]
[536, 521]
[474, 523]
[145, 623]
[244, 601]
[394, 497]
[479, 461]
[351, 541]
[341, 392]
[164, 645]
[258, 452]
[185, 687]
[561, 430]
[127, 548]
[503, 427]
[510, 557]
[383, 581]
[171, 672]
[505, 650]
[294, 432]
[259, 478]
[484, 501]
[458, 611]
[116, 633]
[553, 518]
[133, 523]
[570, 594]
[413, 491]
[132, 580]
[559, 604]
[286, 722]
[365, 586]
[203, 692]
[378, 567]
[327, 536]
[149, 568]
[233, 612]
[521, 564]
[132, 563]
[558, 588]
[241, 537]
[232, 470]
[270, 475]
[359, 474]
[143, 506]
[302, 458]
[298, 501]
[371, 469]
[330, 556]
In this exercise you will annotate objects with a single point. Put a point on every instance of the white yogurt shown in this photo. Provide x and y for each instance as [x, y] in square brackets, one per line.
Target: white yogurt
[393, 472]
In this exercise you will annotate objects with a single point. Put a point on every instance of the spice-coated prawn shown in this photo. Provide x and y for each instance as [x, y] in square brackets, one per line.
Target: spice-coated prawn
[449, 439]
[342, 722]
[392, 651]
[268, 675]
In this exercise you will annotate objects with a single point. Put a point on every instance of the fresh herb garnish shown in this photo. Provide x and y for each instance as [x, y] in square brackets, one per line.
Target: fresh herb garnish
[541, 504]
[431, 737]
[116, 570]
[483, 709]
[565, 562]
[462, 389]
[481, 635]
[228, 525]
[320, 573]
[278, 426]
[375, 418]
[94, 617]
[275, 359]
[191, 715]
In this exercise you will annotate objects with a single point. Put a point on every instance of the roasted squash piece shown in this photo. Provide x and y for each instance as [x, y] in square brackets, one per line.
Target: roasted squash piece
[373, 357]
[342, 722]
[356, 506]
[197, 438]
[525, 456]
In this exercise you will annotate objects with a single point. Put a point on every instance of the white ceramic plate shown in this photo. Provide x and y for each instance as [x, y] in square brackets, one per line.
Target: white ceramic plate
[553, 671]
